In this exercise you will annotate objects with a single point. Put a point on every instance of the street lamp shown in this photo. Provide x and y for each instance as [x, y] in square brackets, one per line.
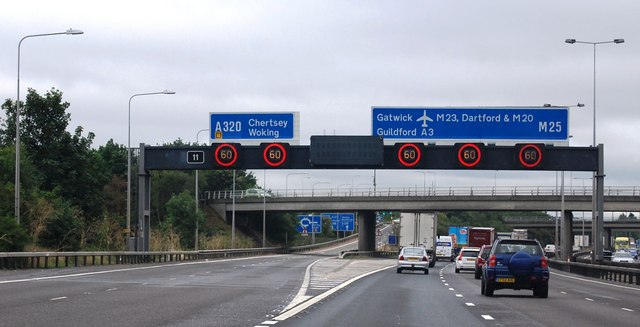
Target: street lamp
[129, 157]
[17, 177]
[286, 182]
[196, 191]
[596, 233]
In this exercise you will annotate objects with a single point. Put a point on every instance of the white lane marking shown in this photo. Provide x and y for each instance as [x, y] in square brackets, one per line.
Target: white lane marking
[58, 298]
[625, 309]
[126, 269]
[110, 289]
[458, 295]
[301, 296]
[294, 311]
[269, 322]
[451, 289]
[563, 292]
[487, 317]
[596, 282]
[469, 304]
[446, 284]
[588, 299]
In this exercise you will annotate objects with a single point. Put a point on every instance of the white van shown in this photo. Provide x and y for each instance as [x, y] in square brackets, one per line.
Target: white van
[444, 248]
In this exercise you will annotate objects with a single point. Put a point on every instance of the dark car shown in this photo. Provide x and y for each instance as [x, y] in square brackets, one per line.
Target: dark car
[481, 259]
[516, 264]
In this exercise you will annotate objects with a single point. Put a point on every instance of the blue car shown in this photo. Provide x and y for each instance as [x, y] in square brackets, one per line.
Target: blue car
[518, 265]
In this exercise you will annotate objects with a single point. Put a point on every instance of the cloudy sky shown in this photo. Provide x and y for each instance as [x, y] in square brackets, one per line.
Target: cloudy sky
[332, 61]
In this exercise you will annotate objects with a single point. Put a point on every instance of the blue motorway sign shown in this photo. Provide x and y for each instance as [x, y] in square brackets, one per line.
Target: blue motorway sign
[252, 126]
[392, 240]
[341, 222]
[545, 124]
[347, 222]
[309, 224]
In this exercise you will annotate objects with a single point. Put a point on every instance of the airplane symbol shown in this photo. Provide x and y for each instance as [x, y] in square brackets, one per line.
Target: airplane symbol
[424, 118]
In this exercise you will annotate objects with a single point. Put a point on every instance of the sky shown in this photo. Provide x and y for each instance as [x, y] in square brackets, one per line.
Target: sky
[332, 61]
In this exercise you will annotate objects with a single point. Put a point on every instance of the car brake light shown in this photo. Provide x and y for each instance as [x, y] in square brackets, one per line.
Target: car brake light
[543, 263]
[492, 260]
[425, 259]
[402, 258]
[460, 257]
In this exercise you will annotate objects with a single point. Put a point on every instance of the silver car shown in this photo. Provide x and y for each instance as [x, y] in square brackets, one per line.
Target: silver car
[622, 257]
[413, 258]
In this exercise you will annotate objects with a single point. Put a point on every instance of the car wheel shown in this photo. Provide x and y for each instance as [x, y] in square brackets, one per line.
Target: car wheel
[457, 270]
[478, 274]
[426, 271]
[399, 270]
[482, 287]
[542, 291]
[432, 264]
[488, 289]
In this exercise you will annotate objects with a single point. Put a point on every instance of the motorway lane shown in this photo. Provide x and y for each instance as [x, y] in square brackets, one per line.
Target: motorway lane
[229, 292]
[386, 298]
[573, 301]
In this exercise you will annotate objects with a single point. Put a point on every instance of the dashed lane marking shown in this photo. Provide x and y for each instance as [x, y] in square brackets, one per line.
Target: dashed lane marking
[626, 309]
[487, 317]
[469, 304]
[458, 295]
[588, 299]
[58, 298]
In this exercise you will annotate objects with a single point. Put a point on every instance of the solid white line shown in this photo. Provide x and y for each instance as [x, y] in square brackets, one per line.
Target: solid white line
[110, 289]
[125, 269]
[294, 311]
[58, 298]
[595, 281]
[625, 309]
[301, 297]
[469, 304]
[487, 317]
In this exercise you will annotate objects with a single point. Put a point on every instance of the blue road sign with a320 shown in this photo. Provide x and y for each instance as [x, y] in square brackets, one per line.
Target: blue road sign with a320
[310, 224]
[254, 127]
[489, 124]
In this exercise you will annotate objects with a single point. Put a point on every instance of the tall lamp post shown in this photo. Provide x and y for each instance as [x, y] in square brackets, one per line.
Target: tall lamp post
[17, 177]
[286, 182]
[597, 249]
[129, 158]
[196, 190]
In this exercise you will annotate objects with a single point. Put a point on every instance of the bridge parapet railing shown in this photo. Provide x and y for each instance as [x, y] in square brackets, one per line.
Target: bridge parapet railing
[430, 191]
[605, 271]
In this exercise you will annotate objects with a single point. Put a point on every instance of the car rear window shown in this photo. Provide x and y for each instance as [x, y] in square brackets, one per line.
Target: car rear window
[413, 251]
[512, 247]
[469, 253]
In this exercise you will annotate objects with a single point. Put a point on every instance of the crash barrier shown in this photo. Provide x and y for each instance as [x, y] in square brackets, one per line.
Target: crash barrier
[45, 260]
[623, 273]
[374, 254]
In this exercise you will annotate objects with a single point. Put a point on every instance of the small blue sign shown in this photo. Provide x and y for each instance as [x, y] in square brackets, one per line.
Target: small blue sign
[472, 124]
[392, 240]
[347, 222]
[253, 126]
[309, 224]
[334, 219]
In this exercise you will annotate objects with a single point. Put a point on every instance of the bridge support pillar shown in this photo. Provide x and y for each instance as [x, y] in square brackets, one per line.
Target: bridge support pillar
[366, 231]
[566, 240]
[607, 238]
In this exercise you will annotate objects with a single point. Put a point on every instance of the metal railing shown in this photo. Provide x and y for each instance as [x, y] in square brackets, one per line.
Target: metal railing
[629, 274]
[46, 260]
[433, 191]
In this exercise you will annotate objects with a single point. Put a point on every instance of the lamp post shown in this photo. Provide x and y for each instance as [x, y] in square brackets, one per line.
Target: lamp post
[597, 250]
[313, 186]
[196, 190]
[286, 182]
[129, 157]
[17, 175]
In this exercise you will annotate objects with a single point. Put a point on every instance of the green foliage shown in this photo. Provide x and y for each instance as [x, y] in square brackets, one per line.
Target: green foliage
[182, 217]
[114, 158]
[64, 231]
[13, 238]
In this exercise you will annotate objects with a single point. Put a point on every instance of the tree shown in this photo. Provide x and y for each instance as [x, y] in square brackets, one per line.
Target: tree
[182, 216]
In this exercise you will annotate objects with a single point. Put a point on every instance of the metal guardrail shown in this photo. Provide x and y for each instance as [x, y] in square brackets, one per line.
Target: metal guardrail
[433, 191]
[46, 260]
[629, 274]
